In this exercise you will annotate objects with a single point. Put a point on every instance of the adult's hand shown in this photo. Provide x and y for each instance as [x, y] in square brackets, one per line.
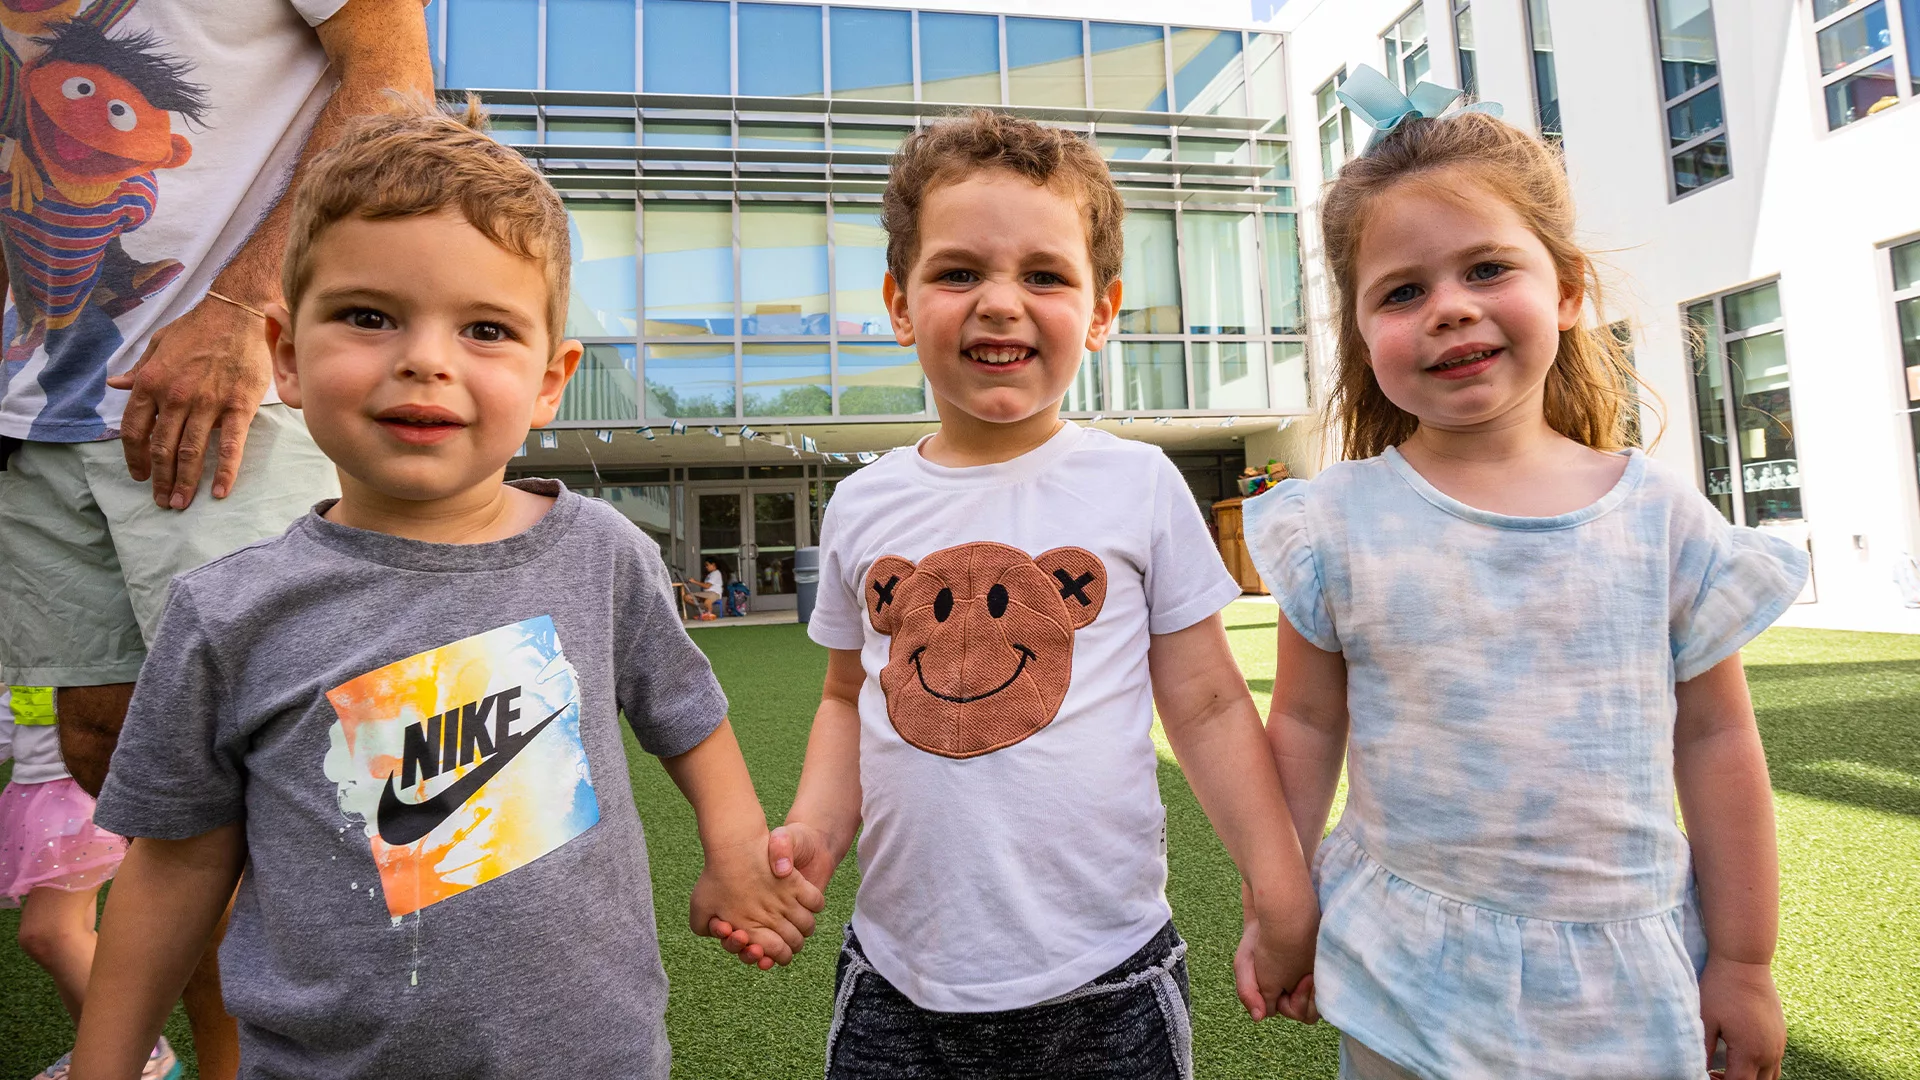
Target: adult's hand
[207, 369]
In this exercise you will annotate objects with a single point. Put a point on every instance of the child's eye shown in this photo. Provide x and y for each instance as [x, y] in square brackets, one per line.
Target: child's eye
[959, 277]
[1486, 271]
[1045, 277]
[1404, 294]
[361, 318]
[489, 332]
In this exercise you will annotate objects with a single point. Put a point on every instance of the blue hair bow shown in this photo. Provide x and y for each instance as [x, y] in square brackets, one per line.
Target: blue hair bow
[1382, 106]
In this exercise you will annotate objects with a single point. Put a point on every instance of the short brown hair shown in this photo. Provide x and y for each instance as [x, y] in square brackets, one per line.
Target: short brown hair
[1591, 393]
[415, 159]
[950, 150]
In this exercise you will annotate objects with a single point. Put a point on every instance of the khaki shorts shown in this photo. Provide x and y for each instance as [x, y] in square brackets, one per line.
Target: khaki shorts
[86, 557]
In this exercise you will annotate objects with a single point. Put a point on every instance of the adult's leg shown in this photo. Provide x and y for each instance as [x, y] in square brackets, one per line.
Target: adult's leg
[56, 932]
[90, 719]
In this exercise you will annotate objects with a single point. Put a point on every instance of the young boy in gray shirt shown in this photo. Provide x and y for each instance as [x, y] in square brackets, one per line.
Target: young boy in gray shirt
[400, 718]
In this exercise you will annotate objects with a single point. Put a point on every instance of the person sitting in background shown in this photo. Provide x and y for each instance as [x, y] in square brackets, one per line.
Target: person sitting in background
[708, 593]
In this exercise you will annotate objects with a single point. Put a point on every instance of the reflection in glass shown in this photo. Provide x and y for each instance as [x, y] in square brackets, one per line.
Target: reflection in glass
[783, 268]
[1908, 312]
[1710, 406]
[878, 379]
[1856, 96]
[1213, 151]
[959, 58]
[872, 54]
[755, 135]
[720, 530]
[1207, 76]
[780, 51]
[1406, 46]
[1267, 80]
[1289, 375]
[1084, 395]
[1824, 8]
[604, 387]
[686, 48]
[689, 265]
[1150, 269]
[1906, 266]
[1126, 147]
[1223, 280]
[1277, 156]
[1129, 67]
[1701, 165]
[1463, 50]
[1769, 468]
[1336, 127]
[1688, 56]
[1229, 375]
[1285, 314]
[1546, 85]
[649, 506]
[511, 130]
[859, 264]
[591, 130]
[490, 43]
[785, 380]
[690, 381]
[1855, 37]
[1755, 307]
[1151, 375]
[710, 133]
[775, 534]
[600, 302]
[589, 44]
[868, 137]
[435, 8]
[1045, 65]
[1695, 116]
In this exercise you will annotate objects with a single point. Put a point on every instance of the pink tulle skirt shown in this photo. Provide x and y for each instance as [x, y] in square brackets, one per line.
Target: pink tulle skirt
[48, 841]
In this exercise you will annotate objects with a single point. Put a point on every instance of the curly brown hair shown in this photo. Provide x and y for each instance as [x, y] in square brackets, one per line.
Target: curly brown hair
[1591, 389]
[950, 150]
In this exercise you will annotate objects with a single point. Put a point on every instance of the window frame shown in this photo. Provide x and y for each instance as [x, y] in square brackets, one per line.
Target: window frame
[1533, 77]
[1904, 401]
[1329, 169]
[1469, 84]
[1667, 104]
[1396, 48]
[1730, 408]
[1903, 64]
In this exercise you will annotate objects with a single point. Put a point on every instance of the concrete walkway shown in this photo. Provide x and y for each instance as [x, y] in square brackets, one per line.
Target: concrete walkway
[754, 618]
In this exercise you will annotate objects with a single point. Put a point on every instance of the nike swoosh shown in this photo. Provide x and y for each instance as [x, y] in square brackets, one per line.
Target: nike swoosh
[404, 822]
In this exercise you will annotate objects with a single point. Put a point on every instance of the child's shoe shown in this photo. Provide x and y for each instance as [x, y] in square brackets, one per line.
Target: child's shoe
[162, 1064]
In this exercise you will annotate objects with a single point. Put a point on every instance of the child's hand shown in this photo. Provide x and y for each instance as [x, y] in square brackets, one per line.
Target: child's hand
[1740, 1006]
[1273, 972]
[793, 846]
[757, 916]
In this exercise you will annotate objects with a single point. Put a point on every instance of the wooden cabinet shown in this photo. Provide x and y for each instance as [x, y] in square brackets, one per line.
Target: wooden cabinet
[1233, 546]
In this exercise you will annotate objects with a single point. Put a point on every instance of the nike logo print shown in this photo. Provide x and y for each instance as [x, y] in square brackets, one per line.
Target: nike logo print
[404, 822]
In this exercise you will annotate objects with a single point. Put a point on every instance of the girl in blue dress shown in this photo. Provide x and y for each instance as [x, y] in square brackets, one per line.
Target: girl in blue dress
[1523, 639]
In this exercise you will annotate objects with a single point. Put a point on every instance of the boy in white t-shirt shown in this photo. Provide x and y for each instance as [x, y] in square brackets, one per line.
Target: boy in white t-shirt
[1005, 603]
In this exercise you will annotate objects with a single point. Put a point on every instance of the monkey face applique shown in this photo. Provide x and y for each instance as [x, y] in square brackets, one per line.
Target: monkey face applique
[982, 649]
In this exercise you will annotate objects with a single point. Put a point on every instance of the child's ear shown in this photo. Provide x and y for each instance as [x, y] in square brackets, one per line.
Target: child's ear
[553, 381]
[896, 300]
[884, 579]
[286, 374]
[1572, 300]
[1106, 308]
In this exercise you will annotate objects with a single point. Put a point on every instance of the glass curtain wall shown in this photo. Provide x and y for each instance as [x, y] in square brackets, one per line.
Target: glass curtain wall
[727, 244]
[1744, 401]
[1546, 85]
[1867, 53]
[1690, 90]
[1463, 49]
[1906, 307]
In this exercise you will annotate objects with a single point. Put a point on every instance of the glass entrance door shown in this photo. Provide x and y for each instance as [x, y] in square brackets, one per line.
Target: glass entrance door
[752, 532]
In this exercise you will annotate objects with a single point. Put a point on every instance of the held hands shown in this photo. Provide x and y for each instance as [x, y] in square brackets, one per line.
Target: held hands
[793, 846]
[207, 369]
[1273, 967]
[762, 918]
[1740, 1007]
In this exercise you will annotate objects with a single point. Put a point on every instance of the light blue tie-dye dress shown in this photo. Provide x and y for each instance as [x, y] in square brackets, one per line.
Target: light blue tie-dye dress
[1508, 894]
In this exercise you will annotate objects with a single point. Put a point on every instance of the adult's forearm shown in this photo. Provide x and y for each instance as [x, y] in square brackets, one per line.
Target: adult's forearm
[165, 902]
[1727, 802]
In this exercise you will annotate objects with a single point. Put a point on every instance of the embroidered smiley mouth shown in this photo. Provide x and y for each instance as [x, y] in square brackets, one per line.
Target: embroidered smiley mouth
[1026, 654]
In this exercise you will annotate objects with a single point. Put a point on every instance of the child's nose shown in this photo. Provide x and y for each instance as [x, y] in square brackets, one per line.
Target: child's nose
[426, 357]
[999, 301]
[1454, 306]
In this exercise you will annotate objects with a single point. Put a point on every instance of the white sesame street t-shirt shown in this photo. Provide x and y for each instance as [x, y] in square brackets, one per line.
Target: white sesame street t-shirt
[1013, 843]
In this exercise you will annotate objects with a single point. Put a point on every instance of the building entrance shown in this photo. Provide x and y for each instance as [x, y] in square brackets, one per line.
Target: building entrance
[752, 532]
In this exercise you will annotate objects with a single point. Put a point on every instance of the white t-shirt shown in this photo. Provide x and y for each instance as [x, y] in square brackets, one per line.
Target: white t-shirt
[196, 111]
[1014, 841]
[716, 584]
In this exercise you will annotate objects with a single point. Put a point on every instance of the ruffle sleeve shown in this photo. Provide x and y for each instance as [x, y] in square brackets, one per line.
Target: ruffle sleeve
[1277, 538]
[1730, 584]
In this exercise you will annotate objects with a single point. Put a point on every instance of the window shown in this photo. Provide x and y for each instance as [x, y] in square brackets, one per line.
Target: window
[690, 381]
[1745, 406]
[1045, 63]
[1223, 278]
[1284, 312]
[1546, 86]
[1336, 127]
[1463, 49]
[872, 54]
[1152, 375]
[685, 47]
[1129, 67]
[1267, 80]
[1207, 74]
[1906, 306]
[601, 300]
[859, 262]
[589, 45]
[780, 51]
[1690, 89]
[689, 266]
[880, 379]
[960, 58]
[603, 386]
[785, 380]
[1863, 68]
[492, 42]
[783, 268]
[1229, 375]
[1150, 302]
[1406, 45]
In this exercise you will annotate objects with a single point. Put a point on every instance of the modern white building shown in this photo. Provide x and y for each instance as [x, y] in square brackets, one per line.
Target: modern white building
[1746, 172]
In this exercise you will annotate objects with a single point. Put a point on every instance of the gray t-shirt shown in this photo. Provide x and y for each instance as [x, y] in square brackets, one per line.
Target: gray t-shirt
[446, 873]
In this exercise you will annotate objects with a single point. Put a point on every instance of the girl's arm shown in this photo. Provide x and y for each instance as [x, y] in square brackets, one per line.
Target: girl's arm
[1720, 772]
[160, 914]
[1307, 730]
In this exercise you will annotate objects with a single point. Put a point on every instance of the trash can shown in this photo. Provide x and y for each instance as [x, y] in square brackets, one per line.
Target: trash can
[806, 580]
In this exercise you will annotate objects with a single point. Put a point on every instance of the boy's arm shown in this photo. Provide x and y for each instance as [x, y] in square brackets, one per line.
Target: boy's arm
[1720, 771]
[736, 884]
[1307, 730]
[161, 912]
[826, 811]
[1215, 732]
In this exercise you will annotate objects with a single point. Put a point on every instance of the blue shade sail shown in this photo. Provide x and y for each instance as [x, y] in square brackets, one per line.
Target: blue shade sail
[780, 51]
[1129, 67]
[601, 302]
[960, 58]
[859, 264]
[872, 54]
[880, 379]
[491, 44]
[1207, 75]
[692, 381]
[686, 48]
[1045, 63]
[786, 380]
[604, 387]
[590, 45]
[689, 267]
[783, 268]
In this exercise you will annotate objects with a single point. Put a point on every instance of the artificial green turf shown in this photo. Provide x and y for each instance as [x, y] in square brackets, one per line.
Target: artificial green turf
[1840, 715]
